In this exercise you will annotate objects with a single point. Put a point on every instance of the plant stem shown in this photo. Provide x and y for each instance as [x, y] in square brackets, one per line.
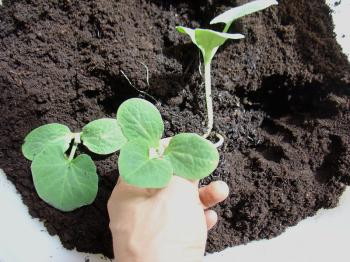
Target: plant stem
[76, 142]
[208, 98]
[227, 27]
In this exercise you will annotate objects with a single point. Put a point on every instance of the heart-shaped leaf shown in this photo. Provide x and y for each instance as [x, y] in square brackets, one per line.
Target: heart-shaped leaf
[192, 156]
[103, 136]
[208, 41]
[237, 12]
[139, 118]
[137, 168]
[44, 136]
[65, 185]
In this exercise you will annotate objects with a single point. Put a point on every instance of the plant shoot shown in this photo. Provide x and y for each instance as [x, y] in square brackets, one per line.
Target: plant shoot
[209, 41]
[146, 160]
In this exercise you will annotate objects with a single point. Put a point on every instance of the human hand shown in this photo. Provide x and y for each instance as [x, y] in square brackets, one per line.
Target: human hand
[163, 225]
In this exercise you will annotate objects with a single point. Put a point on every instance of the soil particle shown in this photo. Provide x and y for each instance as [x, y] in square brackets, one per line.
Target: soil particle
[281, 99]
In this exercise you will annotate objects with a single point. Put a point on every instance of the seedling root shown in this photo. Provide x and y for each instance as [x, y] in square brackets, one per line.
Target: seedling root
[147, 72]
[220, 142]
[138, 90]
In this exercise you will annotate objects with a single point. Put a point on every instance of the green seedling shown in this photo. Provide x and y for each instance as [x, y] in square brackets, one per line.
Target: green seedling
[61, 180]
[146, 160]
[209, 41]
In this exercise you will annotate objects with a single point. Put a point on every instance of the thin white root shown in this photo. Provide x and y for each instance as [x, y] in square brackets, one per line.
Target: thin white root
[138, 90]
[220, 142]
[127, 79]
[147, 72]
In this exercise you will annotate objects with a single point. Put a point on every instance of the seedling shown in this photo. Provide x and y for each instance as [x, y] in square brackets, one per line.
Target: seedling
[209, 41]
[61, 180]
[145, 160]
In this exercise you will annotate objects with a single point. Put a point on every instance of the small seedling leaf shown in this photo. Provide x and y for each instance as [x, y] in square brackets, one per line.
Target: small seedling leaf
[190, 32]
[138, 169]
[44, 136]
[237, 12]
[65, 185]
[208, 41]
[192, 156]
[103, 136]
[139, 118]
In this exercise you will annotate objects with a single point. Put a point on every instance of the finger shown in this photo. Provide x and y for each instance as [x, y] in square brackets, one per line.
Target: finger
[211, 217]
[213, 193]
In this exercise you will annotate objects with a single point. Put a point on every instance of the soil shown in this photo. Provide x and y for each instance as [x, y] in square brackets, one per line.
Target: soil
[281, 100]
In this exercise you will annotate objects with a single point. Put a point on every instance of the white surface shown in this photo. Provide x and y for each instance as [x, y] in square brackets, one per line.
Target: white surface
[27, 240]
[322, 238]
[341, 18]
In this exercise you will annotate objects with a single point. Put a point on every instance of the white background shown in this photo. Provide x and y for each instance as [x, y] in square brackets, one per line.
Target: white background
[322, 238]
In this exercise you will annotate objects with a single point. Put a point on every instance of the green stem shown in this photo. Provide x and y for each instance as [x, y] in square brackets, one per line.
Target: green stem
[208, 98]
[227, 27]
[76, 142]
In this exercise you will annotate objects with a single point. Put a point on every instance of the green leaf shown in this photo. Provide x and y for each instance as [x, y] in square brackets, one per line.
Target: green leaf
[138, 169]
[190, 32]
[65, 185]
[44, 136]
[208, 41]
[237, 12]
[103, 136]
[192, 156]
[139, 118]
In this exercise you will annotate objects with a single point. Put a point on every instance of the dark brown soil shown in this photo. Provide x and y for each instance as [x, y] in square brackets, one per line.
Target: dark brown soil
[281, 100]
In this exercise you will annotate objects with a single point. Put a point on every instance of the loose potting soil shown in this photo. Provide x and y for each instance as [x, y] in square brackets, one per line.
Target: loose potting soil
[281, 99]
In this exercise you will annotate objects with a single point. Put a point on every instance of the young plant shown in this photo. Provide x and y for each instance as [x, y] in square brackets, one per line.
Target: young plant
[61, 180]
[209, 41]
[145, 159]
